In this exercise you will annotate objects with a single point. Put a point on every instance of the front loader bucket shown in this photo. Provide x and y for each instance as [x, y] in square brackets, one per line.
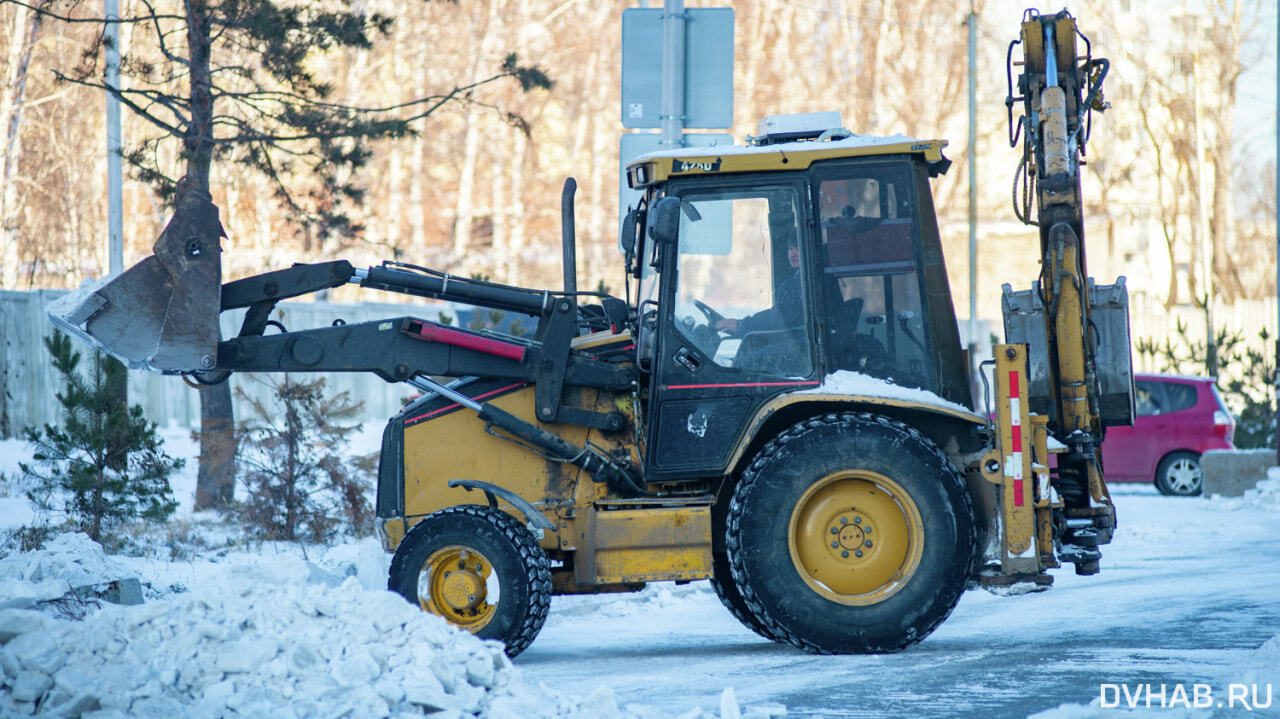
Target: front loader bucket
[162, 313]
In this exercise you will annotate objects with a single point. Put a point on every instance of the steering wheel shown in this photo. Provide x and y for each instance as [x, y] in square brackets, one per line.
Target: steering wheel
[712, 316]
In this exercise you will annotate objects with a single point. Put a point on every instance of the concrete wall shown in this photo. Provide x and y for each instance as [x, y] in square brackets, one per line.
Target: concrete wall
[28, 383]
[1231, 472]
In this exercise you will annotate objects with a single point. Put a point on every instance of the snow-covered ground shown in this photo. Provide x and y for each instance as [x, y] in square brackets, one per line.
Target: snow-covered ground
[1189, 598]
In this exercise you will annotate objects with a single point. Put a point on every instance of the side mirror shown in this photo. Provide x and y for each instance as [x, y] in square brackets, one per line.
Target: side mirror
[628, 243]
[664, 220]
[627, 237]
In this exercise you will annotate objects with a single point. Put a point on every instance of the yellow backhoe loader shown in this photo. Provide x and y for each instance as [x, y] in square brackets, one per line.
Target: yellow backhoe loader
[780, 404]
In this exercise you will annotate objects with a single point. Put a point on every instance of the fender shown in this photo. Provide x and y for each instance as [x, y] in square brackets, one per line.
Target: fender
[927, 404]
[531, 514]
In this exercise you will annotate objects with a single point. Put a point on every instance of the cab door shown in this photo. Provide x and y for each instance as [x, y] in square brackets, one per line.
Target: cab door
[734, 321]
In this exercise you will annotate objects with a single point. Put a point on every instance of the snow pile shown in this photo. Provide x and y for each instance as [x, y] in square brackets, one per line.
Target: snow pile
[845, 382]
[66, 562]
[1264, 666]
[363, 559]
[262, 640]
[1266, 494]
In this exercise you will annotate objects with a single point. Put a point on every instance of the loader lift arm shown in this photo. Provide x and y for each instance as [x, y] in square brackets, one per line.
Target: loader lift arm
[398, 349]
[151, 317]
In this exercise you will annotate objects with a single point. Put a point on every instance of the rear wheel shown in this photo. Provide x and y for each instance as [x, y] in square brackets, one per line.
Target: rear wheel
[1180, 475]
[478, 568]
[850, 533]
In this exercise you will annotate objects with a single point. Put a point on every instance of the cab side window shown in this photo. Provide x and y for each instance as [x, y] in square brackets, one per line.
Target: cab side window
[870, 283]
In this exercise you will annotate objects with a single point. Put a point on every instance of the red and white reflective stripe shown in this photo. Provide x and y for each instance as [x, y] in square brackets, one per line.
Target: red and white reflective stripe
[1013, 465]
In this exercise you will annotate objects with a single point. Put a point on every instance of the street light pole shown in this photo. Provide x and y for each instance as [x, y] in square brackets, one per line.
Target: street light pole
[973, 200]
[672, 117]
[115, 205]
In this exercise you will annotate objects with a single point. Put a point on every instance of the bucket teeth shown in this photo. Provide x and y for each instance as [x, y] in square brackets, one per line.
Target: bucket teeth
[162, 313]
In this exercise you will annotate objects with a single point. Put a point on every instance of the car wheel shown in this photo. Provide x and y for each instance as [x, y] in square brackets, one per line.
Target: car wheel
[1180, 475]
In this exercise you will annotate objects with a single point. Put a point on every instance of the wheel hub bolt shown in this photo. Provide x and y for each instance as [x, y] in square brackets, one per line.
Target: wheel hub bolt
[834, 545]
[844, 520]
[858, 553]
[857, 520]
[868, 543]
[835, 531]
[844, 554]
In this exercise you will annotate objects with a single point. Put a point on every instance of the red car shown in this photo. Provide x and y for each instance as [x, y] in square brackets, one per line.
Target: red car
[1178, 419]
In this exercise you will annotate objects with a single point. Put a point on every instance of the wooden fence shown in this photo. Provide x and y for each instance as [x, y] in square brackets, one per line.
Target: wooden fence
[28, 382]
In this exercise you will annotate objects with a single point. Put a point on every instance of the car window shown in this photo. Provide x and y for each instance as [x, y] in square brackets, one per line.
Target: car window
[1179, 396]
[1148, 398]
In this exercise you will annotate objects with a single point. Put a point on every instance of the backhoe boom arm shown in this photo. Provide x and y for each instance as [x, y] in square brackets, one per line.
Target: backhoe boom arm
[1077, 334]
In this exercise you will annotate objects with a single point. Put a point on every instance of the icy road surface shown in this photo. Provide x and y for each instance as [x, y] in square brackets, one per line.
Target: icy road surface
[1189, 590]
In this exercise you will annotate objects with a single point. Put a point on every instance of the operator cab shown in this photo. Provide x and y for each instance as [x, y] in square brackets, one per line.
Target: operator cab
[767, 268]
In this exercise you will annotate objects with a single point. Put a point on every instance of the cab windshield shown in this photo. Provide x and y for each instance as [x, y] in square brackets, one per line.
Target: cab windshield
[739, 295]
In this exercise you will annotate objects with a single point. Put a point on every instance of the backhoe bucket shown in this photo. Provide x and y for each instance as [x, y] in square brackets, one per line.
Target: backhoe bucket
[162, 313]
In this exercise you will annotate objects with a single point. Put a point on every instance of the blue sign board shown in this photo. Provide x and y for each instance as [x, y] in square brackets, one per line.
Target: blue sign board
[708, 75]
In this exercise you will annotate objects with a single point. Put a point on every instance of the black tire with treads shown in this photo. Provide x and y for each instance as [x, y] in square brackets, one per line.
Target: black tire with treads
[522, 567]
[759, 523]
[725, 588]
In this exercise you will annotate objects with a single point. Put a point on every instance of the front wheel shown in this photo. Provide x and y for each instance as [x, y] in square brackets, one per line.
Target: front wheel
[478, 568]
[1180, 475]
[850, 533]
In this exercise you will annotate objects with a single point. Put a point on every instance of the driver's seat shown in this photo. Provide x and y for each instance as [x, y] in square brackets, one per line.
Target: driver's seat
[842, 332]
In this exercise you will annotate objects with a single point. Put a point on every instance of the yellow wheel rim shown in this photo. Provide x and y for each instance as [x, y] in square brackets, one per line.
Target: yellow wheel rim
[457, 583]
[856, 537]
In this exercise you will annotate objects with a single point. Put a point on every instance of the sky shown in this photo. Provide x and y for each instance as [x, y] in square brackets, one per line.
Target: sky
[1256, 106]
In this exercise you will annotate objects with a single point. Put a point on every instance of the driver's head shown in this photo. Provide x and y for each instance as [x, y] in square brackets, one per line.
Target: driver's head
[793, 254]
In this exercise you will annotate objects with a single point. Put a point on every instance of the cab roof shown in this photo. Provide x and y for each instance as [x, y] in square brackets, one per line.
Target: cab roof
[664, 165]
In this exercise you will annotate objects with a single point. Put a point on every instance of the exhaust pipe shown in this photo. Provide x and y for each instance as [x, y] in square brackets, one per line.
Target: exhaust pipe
[568, 235]
[162, 313]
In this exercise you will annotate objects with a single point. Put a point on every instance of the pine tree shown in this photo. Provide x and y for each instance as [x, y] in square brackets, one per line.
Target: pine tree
[297, 481]
[103, 464]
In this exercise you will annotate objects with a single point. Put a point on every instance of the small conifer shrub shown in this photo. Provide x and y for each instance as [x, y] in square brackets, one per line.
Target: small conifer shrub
[103, 463]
